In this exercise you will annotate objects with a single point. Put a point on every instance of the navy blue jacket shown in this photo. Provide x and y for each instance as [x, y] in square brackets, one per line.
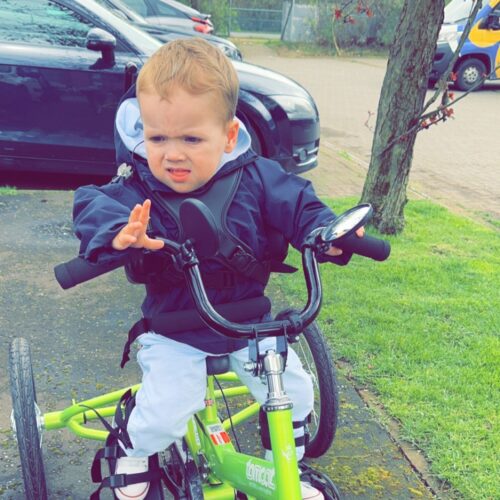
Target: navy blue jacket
[266, 193]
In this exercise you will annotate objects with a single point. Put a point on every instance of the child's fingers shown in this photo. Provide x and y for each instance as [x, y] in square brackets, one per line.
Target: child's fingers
[152, 244]
[135, 214]
[132, 228]
[334, 252]
[128, 239]
[123, 240]
[144, 215]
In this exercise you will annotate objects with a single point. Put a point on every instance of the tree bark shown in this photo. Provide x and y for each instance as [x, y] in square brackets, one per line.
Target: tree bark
[400, 105]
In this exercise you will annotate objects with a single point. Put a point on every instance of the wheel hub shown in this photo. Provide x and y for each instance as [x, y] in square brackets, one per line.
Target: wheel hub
[39, 423]
[471, 74]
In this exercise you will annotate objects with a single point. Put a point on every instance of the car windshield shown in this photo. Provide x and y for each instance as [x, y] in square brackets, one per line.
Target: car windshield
[457, 10]
[122, 10]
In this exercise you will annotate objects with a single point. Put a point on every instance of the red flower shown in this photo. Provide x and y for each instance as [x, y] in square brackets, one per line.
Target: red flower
[338, 13]
[453, 76]
[369, 12]
[451, 95]
[424, 124]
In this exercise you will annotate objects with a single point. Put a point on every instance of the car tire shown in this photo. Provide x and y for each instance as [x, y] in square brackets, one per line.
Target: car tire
[256, 142]
[25, 415]
[469, 73]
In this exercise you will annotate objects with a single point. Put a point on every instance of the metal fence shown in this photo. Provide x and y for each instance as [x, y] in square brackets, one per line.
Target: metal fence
[255, 20]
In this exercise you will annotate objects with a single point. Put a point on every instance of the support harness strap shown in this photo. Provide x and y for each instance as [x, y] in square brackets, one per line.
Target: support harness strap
[189, 320]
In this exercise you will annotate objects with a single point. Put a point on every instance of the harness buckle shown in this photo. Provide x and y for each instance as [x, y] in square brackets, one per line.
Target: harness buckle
[118, 481]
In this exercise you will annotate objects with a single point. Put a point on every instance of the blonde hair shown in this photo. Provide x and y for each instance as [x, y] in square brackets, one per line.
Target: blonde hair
[195, 66]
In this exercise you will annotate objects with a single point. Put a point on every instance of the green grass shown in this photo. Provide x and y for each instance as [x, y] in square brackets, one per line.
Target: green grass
[7, 191]
[422, 331]
[300, 49]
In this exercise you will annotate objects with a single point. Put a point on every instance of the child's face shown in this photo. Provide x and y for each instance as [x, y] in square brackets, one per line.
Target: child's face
[185, 138]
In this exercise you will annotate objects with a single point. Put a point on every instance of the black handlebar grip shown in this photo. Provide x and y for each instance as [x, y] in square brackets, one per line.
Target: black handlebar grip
[367, 246]
[78, 270]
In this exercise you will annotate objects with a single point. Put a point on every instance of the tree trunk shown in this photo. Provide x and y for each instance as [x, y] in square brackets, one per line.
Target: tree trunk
[400, 105]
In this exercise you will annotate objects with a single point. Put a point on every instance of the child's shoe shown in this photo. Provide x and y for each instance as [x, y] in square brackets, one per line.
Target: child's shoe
[132, 465]
[309, 492]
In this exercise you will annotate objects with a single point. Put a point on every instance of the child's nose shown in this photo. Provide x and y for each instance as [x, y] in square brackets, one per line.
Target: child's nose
[173, 151]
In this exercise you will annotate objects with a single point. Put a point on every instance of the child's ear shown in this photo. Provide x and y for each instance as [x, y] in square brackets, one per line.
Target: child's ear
[232, 135]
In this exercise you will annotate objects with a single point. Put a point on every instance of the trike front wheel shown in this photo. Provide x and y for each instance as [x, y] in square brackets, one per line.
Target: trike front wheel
[26, 419]
[316, 359]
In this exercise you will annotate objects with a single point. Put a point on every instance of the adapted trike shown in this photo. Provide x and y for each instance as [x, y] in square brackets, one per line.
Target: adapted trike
[206, 464]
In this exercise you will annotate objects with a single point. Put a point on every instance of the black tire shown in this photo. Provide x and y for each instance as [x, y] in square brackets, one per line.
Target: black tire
[256, 142]
[22, 387]
[316, 358]
[469, 73]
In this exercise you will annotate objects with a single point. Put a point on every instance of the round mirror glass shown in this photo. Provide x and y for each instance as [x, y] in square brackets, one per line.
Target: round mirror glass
[346, 223]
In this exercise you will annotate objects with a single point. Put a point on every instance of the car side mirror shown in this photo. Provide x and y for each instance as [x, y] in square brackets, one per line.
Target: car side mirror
[100, 40]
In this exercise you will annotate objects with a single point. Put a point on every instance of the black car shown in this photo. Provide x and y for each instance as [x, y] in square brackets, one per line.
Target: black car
[64, 65]
[165, 32]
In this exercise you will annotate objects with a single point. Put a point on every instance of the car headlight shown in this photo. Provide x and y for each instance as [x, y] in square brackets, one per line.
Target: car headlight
[449, 37]
[297, 108]
[231, 52]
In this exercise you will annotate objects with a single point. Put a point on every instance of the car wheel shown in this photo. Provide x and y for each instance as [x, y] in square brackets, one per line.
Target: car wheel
[256, 142]
[469, 73]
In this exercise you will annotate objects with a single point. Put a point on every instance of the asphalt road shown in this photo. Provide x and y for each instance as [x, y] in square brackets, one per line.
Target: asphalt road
[456, 163]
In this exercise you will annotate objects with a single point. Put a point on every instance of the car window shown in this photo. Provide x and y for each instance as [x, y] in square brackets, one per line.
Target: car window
[41, 22]
[138, 6]
[165, 10]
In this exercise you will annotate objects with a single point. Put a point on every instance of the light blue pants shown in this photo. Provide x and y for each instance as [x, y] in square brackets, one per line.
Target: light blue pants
[174, 385]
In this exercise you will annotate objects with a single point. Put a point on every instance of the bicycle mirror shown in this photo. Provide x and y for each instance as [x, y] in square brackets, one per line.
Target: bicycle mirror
[345, 224]
[198, 225]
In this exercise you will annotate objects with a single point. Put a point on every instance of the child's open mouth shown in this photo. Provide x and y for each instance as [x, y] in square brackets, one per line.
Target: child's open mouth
[178, 174]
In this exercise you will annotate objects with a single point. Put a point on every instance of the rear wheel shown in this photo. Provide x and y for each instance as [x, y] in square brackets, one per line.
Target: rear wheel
[469, 73]
[316, 358]
[26, 419]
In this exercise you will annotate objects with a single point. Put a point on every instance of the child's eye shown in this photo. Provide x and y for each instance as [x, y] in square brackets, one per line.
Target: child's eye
[157, 139]
[191, 139]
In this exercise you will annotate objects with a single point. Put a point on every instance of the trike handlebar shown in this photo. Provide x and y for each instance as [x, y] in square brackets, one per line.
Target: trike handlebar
[79, 270]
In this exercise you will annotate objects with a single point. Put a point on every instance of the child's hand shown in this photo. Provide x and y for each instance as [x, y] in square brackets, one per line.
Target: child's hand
[334, 251]
[134, 233]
